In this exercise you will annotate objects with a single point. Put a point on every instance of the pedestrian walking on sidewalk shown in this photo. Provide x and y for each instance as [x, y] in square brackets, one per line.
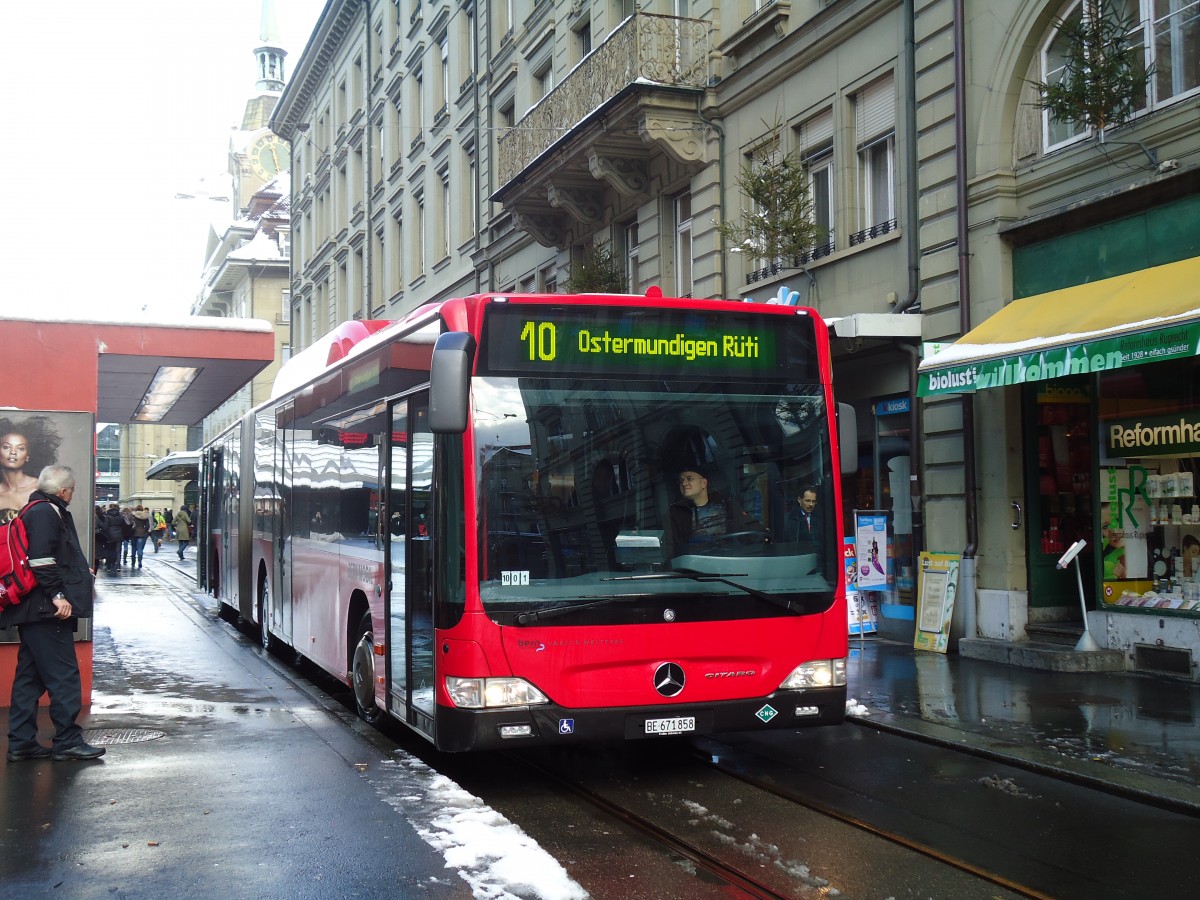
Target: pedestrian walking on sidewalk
[141, 531]
[160, 530]
[45, 621]
[114, 535]
[183, 524]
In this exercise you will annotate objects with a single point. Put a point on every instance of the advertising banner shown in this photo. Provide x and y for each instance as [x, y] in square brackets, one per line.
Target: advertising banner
[33, 440]
[935, 600]
[862, 608]
[1099, 355]
[871, 543]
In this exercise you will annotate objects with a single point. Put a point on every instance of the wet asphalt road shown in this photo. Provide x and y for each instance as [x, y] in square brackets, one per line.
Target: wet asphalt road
[228, 776]
[253, 789]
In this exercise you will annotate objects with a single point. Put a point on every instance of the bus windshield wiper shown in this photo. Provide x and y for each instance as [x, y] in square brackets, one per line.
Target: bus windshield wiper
[722, 577]
[552, 612]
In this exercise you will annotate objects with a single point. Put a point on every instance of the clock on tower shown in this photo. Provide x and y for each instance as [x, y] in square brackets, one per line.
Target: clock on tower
[269, 156]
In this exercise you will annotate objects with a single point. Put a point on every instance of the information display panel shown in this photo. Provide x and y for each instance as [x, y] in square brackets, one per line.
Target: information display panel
[660, 342]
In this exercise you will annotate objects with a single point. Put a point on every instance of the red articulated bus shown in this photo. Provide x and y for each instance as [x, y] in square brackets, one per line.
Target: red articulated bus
[516, 520]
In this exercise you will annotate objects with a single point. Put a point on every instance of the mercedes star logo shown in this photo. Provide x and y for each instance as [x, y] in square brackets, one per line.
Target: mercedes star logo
[669, 679]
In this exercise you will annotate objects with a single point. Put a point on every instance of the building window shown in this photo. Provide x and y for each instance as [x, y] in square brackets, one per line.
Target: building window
[417, 108]
[760, 161]
[378, 292]
[583, 39]
[468, 196]
[395, 147]
[419, 235]
[875, 134]
[446, 214]
[285, 306]
[681, 206]
[444, 52]
[629, 239]
[815, 139]
[468, 41]
[1168, 31]
[395, 251]
[543, 79]
[1054, 58]
[505, 119]
[1174, 49]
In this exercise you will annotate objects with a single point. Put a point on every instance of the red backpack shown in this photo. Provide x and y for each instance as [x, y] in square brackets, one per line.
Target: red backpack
[16, 577]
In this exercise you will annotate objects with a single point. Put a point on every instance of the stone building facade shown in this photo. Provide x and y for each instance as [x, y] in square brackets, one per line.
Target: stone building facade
[441, 148]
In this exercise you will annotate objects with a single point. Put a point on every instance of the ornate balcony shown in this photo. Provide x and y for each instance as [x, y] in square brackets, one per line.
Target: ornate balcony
[628, 107]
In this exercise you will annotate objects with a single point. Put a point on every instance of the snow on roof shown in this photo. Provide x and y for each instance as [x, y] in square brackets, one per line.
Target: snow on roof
[213, 323]
[261, 247]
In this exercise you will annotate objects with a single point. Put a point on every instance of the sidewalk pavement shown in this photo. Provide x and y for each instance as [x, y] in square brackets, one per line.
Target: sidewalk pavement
[1131, 734]
[223, 777]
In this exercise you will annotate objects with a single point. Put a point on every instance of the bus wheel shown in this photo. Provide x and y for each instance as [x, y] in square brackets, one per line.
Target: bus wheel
[264, 616]
[362, 673]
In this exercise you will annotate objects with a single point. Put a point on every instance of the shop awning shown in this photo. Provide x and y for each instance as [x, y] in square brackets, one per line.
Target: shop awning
[182, 465]
[1148, 316]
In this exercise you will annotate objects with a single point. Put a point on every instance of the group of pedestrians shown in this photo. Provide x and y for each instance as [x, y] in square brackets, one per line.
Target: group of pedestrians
[122, 534]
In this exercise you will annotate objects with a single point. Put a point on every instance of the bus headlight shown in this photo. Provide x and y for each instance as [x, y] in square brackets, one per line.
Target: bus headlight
[817, 673]
[492, 693]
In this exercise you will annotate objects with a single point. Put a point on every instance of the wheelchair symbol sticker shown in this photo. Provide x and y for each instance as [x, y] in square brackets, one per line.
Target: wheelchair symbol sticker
[566, 726]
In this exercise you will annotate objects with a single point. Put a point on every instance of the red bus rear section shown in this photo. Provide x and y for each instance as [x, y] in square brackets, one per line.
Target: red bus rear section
[513, 520]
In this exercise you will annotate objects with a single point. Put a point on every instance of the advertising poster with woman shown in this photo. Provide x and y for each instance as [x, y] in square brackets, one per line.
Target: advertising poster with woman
[31, 440]
[871, 544]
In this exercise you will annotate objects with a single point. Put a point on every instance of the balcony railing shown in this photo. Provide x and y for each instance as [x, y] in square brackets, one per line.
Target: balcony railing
[868, 234]
[798, 261]
[648, 49]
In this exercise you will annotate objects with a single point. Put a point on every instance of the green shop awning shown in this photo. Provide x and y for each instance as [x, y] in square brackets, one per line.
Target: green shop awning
[1148, 316]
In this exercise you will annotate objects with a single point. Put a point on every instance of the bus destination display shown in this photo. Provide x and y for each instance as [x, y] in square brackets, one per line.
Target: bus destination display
[559, 340]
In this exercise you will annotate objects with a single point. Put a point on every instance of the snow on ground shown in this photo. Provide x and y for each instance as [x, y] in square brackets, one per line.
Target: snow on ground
[494, 856]
[854, 708]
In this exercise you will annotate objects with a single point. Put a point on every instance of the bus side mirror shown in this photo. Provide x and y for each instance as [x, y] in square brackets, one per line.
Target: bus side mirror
[450, 382]
[847, 425]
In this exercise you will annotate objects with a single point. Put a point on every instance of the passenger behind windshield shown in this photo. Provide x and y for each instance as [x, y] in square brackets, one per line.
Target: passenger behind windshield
[704, 518]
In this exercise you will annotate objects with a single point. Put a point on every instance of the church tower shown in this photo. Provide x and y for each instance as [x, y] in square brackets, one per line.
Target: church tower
[257, 155]
[269, 57]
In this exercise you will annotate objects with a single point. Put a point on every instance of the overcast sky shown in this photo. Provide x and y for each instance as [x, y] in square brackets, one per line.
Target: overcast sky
[111, 109]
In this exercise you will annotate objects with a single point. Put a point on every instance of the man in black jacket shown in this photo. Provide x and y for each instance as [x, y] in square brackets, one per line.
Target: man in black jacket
[46, 661]
[704, 517]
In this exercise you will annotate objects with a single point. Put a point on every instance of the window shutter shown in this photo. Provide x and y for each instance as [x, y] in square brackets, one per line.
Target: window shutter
[817, 133]
[875, 110]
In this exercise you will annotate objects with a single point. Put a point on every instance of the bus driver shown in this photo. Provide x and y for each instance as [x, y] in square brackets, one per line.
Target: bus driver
[703, 516]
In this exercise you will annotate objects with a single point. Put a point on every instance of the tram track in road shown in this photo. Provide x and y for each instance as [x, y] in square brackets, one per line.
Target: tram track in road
[766, 785]
[752, 841]
[1026, 830]
[723, 870]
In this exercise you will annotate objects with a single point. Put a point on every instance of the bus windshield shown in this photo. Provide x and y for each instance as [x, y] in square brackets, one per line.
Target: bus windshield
[608, 500]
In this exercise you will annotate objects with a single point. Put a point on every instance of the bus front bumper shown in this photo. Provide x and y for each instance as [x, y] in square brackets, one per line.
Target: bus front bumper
[469, 729]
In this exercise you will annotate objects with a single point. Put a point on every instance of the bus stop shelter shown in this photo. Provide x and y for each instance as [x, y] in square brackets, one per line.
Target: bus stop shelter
[113, 370]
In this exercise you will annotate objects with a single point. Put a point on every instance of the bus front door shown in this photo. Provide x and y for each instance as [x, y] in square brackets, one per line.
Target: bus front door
[409, 605]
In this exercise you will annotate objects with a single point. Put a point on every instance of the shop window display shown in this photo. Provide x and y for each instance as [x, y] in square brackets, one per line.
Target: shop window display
[1150, 511]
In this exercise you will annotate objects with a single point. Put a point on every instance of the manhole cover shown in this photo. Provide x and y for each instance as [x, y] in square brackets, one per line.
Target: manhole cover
[126, 587]
[106, 737]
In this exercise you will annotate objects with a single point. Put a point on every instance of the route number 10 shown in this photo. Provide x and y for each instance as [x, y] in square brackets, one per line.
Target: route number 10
[539, 337]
